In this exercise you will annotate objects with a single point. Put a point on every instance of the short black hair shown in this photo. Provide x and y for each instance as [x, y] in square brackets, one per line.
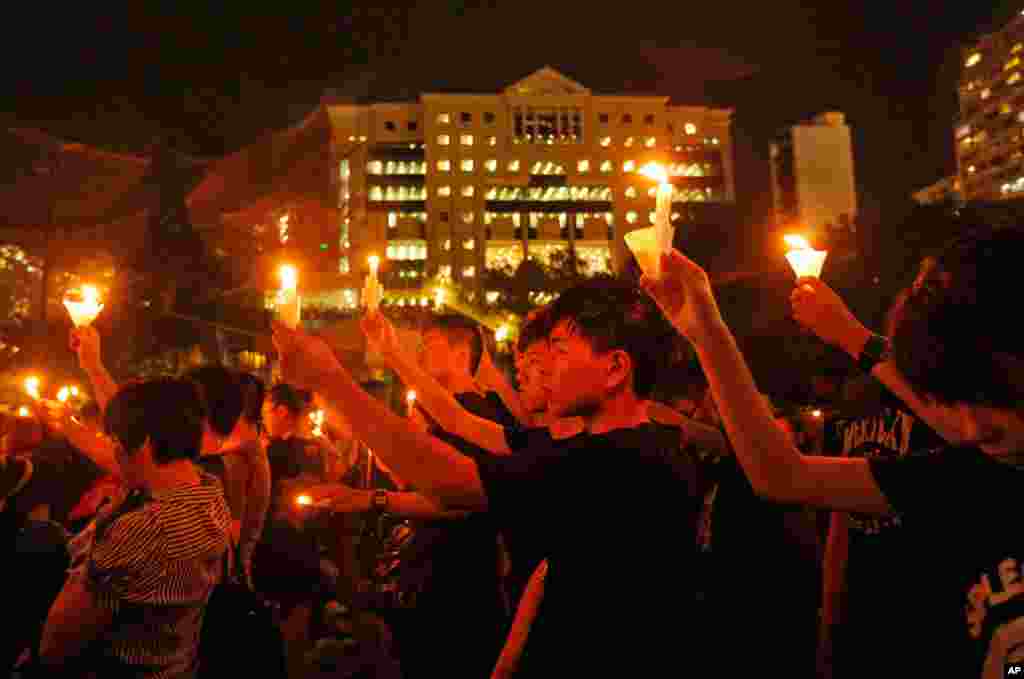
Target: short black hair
[222, 391]
[253, 391]
[295, 400]
[951, 335]
[535, 329]
[611, 314]
[169, 411]
[460, 331]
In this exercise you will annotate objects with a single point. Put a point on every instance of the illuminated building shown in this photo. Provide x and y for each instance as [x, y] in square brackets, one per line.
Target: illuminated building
[988, 133]
[812, 172]
[945, 190]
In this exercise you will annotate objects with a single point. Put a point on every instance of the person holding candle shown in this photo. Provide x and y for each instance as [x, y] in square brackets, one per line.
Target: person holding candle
[958, 508]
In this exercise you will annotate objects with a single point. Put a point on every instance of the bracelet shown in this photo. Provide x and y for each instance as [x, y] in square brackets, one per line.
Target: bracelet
[876, 350]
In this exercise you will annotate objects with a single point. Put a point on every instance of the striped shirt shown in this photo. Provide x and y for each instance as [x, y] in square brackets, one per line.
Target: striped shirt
[153, 563]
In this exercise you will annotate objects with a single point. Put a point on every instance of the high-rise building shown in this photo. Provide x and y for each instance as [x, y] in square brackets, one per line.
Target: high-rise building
[452, 185]
[813, 184]
[988, 133]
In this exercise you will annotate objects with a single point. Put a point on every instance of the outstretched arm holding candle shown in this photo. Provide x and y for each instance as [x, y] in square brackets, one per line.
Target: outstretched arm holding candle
[87, 346]
[344, 499]
[437, 469]
[434, 398]
[490, 377]
[775, 468]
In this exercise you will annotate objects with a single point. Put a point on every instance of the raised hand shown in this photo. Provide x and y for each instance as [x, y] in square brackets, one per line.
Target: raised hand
[305, 360]
[85, 342]
[380, 334]
[683, 292]
[818, 308]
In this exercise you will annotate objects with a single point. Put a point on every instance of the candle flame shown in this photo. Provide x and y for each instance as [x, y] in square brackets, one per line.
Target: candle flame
[815, 413]
[23, 412]
[501, 334]
[64, 394]
[796, 242]
[654, 171]
[374, 261]
[410, 396]
[303, 500]
[32, 387]
[84, 312]
[289, 277]
[74, 391]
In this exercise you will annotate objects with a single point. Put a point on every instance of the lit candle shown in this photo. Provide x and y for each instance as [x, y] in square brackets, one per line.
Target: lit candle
[23, 412]
[32, 387]
[288, 302]
[74, 391]
[501, 334]
[438, 299]
[317, 417]
[805, 260]
[85, 311]
[64, 394]
[649, 244]
[372, 291]
[303, 500]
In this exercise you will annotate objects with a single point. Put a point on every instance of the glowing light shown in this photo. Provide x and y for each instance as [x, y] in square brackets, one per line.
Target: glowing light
[805, 260]
[289, 277]
[501, 334]
[289, 306]
[654, 171]
[317, 418]
[374, 261]
[303, 500]
[410, 397]
[32, 387]
[85, 311]
[23, 412]
[797, 242]
[973, 60]
[64, 394]
[815, 413]
[74, 391]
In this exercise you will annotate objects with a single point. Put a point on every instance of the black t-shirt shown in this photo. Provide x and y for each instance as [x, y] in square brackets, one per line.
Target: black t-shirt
[615, 515]
[958, 512]
[61, 475]
[875, 600]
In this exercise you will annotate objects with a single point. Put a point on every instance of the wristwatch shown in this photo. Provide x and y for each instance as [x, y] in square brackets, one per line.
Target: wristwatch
[380, 501]
[875, 351]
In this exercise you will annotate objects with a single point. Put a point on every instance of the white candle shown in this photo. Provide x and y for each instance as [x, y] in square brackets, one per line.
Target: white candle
[32, 387]
[372, 291]
[805, 260]
[663, 229]
[288, 301]
[84, 312]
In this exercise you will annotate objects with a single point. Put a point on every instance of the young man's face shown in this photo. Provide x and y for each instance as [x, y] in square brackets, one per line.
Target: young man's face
[580, 379]
[999, 432]
[533, 374]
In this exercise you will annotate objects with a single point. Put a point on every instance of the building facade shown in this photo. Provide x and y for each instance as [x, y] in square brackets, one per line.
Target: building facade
[812, 173]
[945, 190]
[453, 185]
[988, 133]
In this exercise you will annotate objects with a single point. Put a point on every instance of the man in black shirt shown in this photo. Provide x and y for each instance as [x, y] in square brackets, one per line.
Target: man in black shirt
[615, 511]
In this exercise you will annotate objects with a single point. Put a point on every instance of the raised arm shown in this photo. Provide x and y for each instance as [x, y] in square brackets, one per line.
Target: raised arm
[437, 469]
[817, 307]
[344, 499]
[430, 395]
[86, 342]
[775, 468]
[490, 377]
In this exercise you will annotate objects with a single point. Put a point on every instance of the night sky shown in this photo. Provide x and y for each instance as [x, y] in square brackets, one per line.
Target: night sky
[213, 79]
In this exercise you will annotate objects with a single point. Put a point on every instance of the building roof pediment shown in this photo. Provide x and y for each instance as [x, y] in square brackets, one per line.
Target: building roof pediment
[546, 82]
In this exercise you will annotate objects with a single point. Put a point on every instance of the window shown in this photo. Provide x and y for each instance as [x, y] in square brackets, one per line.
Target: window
[631, 217]
[411, 125]
[1012, 63]
[443, 139]
[469, 244]
[714, 141]
[466, 140]
[631, 192]
[629, 166]
[649, 119]
[469, 272]
[973, 60]
[606, 141]
[467, 165]
[602, 118]
[376, 193]
[392, 219]
[690, 128]
[389, 125]
[650, 142]
[467, 217]
[444, 118]
[444, 216]
[513, 166]
[489, 118]
[606, 167]
[445, 271]
[652, 192]
[467, 191]
[985, 94]
[375, 167]
[583, 166]
[1013, 79]
[492, 140]
[651, 216]
[444, 191]
[629, 142]
[444, 165]
[627, 118]
[466, 118]
[491, 165]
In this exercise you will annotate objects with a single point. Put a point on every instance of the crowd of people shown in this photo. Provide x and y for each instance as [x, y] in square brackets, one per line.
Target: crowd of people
[575, 517]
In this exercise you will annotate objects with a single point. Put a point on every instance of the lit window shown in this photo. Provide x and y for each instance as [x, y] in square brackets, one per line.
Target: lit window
[985, 93]
[631, 217]
[513, 166]
[606, 141]
[466, 140]
[651, 216]
[583, 166]
[1012, 63]
[631, 192]
[652, 192]
[467, 191]
[972, 169]
[444, 166]
[1005, 109]
[445, 271]
[469, 244]
[376, 193]
[467, 165]
[714, 141]
[651, 141]
[492, 140]
[629, 166]
[690, 128]
[392, 219]
[1017, 48]
[973, 60]
[628, 142]
[444, 118]
[491, 165]
[447, 245]
[1013, 78]
[469, 272]
[343, 265]
[444, 191]
[443, 139]
[467, 217]
[606, 166]
[375, 167]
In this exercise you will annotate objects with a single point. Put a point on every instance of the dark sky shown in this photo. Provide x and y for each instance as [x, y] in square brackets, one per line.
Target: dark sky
[216, 77]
